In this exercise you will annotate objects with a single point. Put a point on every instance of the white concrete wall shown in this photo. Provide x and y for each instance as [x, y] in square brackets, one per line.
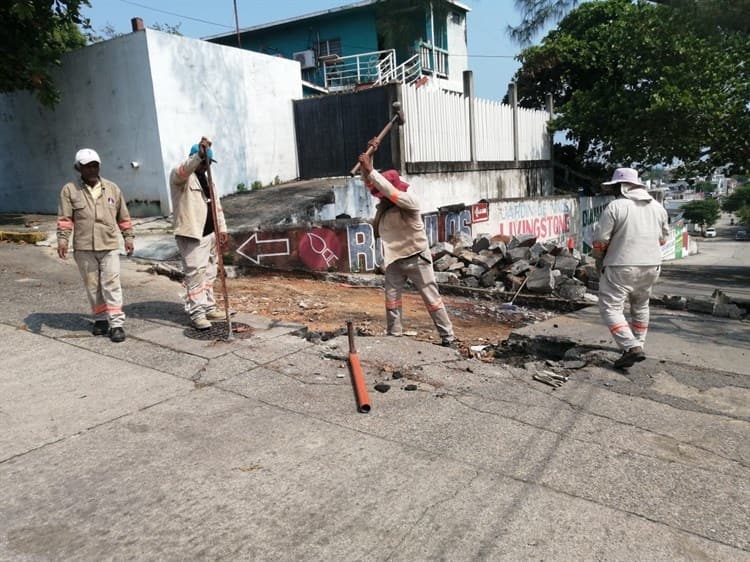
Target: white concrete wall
[146, 97]
[107, 104]
[458, 50]
[442, 190]
[241, 99]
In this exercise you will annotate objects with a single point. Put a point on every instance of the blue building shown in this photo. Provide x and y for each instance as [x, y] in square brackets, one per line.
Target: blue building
[367, 43]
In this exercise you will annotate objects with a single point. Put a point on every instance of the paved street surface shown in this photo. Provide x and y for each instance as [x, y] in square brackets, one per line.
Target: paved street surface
[721, 263]
[166, 447]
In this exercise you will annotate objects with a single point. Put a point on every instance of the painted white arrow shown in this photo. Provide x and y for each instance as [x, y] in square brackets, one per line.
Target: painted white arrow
[252, 250]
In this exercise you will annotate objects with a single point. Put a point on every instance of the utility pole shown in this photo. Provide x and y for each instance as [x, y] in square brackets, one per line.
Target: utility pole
[237, 25]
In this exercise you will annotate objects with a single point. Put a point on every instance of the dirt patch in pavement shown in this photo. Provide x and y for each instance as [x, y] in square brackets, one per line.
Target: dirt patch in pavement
[325, 306]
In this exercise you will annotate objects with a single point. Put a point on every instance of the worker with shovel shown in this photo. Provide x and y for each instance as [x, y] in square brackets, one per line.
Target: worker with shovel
[406, 252]
[196, 233]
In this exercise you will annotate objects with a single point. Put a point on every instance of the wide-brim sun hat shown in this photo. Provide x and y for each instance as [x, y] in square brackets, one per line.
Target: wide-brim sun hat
[87, 156]
[625, 175]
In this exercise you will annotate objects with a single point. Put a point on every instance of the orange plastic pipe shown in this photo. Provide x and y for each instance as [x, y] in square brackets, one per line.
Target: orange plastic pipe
[358, 379]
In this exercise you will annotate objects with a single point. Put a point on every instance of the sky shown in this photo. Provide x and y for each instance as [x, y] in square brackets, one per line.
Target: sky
[491, 52]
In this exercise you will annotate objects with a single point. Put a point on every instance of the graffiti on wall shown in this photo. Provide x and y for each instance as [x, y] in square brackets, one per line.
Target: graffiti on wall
[550, 220]
[677, 244]
[351, 246]
[591, 210]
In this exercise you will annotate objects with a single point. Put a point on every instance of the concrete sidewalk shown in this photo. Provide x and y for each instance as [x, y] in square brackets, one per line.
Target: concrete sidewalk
[171, 448]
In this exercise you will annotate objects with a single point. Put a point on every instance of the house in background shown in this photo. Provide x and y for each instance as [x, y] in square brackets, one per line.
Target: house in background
[367, 43]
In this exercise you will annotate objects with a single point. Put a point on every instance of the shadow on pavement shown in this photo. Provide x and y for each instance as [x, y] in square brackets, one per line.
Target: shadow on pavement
[71, 321]
[719, 276]
[157, 310]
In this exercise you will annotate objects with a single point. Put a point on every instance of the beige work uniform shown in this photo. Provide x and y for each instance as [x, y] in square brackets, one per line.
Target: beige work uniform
[198, 253]
[96, 218]
[406, 255]
[631, 231]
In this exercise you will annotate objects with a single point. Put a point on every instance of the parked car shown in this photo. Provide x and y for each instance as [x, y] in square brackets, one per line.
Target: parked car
[741, 235]
[710, 232]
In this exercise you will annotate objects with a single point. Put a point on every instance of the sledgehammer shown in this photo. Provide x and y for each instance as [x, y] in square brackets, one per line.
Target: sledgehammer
[398, 118]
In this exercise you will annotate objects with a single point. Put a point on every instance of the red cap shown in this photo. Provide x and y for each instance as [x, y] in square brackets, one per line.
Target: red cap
[393, 178]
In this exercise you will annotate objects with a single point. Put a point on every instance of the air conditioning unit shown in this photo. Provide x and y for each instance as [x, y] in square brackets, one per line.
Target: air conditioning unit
[306, 59]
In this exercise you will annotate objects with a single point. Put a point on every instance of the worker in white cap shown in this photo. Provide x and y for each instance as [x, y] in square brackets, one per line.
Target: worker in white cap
[94, 212]
[196, 234]
[627, 244]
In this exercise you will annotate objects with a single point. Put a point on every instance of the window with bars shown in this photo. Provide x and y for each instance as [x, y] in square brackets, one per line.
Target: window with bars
[329, 47]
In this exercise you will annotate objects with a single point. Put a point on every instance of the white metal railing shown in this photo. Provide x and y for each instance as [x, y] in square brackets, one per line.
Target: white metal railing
[346, 73]
[434, 60]
[375, 68]
[408, 71]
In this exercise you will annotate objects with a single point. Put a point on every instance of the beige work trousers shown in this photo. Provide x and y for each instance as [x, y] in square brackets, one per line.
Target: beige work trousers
[100, 271]
[200, 267]
[418, 270]
[619, 284]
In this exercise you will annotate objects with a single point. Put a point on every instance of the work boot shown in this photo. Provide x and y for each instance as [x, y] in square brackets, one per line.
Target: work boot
[200, 323]
[216, 314]
[451, 343]
[117, 335]
[101, 328]
[630, 358]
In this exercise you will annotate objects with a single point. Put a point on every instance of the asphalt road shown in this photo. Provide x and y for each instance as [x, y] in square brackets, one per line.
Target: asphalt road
[721, 263]
[167, 447]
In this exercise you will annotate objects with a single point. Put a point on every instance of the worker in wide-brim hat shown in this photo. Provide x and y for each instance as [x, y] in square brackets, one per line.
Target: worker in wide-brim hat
[627, 245]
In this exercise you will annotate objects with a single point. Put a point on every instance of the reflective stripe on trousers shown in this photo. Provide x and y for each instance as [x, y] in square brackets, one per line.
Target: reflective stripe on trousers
[632, 284]
[418, 270]
[200, 267]
[100, 271]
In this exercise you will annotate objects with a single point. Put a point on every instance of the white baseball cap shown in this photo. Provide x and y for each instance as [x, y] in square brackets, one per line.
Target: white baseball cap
[86, 156]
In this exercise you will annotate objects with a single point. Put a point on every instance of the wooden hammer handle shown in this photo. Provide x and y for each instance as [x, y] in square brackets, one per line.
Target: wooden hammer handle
[379, 138]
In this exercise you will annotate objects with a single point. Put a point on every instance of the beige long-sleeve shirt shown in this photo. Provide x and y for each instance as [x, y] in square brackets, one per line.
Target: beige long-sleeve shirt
[94, 217]
[631, 230]
[398, 220]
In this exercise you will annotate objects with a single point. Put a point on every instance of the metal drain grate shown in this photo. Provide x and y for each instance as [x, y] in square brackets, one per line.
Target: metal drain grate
[218, 331]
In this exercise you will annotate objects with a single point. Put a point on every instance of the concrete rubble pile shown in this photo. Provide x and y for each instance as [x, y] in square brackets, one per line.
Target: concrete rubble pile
[718, 304]
[511, 264]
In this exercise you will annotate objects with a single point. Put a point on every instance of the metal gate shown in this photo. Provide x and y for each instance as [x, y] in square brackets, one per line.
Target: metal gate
[333, 130]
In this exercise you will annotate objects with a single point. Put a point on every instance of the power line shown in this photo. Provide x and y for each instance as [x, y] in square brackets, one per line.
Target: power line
[175, 14]
[488, 56]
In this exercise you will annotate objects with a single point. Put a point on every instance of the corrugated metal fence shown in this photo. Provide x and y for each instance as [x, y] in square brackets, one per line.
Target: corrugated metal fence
[332, 130]
[438, 128]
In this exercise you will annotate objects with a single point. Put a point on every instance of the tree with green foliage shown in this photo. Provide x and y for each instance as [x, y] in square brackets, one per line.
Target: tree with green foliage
[643, 83]
[706, 186]
[736, 200]
[35, 35]
[714, 14]
[705, 212]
